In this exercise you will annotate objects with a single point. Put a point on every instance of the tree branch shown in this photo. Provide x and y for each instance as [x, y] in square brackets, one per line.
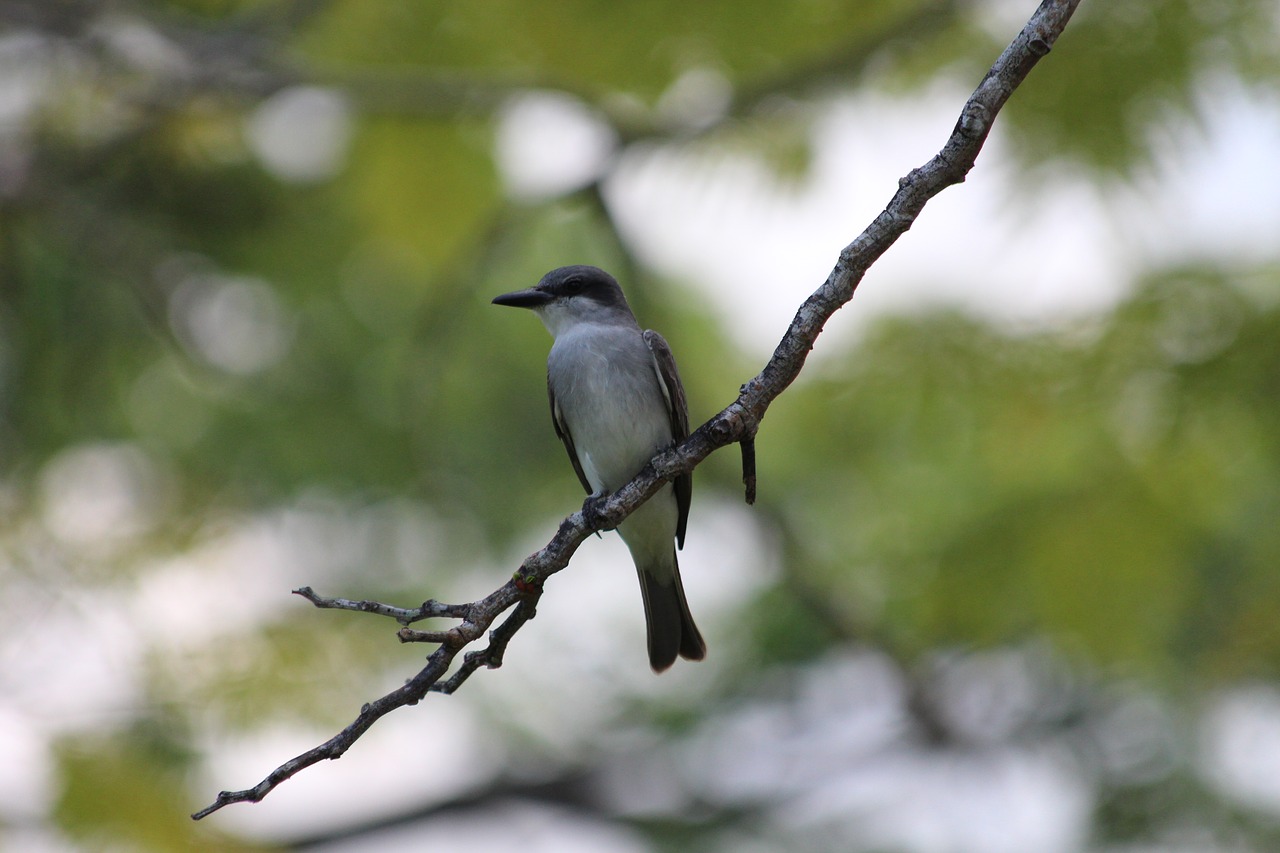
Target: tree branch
[737, 423]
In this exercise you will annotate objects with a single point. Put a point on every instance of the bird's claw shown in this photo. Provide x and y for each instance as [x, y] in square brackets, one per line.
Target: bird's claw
[593, 512]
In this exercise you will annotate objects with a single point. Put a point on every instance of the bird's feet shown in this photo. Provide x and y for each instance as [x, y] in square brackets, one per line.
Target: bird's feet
[593, 511]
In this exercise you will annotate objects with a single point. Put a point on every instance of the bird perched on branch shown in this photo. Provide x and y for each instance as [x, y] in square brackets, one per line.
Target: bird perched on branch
[617, 401]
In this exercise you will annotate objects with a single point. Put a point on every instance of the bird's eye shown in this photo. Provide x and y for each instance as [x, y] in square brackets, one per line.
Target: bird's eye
[573, 285]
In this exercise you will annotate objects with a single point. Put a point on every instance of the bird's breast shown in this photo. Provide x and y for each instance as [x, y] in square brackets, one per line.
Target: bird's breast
[607, 392]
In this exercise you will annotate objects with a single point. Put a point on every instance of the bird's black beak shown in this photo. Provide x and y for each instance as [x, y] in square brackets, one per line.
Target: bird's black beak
[530, 298]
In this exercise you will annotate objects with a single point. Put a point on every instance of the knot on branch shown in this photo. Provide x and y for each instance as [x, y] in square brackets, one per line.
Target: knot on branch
[909, 180]
[736, 423]
[974, 121]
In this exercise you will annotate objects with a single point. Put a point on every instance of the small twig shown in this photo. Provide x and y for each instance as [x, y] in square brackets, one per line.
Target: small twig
[409, 635]
[428, 610]
[735, 424]
[748, 446]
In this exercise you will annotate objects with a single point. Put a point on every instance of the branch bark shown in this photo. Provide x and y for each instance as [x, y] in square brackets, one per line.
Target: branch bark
[737, 423]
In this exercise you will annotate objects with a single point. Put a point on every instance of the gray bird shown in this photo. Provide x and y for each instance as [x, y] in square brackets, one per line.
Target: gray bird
[616, 401]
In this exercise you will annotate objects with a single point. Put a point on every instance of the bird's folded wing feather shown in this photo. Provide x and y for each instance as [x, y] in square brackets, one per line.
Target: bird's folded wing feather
[562, 432]
[664, 363]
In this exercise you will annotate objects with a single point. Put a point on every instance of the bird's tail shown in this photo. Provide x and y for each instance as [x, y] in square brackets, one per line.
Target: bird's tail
[670, 625]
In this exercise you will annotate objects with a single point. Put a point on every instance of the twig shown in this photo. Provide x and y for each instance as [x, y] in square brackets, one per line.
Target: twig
[748, 446]
[736, 423]
[427, 610]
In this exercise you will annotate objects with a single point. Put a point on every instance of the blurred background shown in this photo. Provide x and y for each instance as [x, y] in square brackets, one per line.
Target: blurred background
[1012, 581]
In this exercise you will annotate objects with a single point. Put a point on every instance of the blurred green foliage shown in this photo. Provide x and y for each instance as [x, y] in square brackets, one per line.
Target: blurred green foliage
[940, 484]
[1114, 486]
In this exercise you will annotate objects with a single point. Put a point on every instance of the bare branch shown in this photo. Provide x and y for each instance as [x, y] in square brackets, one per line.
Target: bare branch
[479, 615]
[737, 423]
[429, 609]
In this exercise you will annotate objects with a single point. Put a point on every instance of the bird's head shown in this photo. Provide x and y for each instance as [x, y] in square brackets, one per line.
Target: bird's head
[569, 296]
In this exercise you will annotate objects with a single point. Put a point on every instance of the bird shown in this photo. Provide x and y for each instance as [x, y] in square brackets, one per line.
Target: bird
[616, 402]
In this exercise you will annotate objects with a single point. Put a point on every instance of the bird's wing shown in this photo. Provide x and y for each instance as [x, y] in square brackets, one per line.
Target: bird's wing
[664, 363]
[562, 432]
